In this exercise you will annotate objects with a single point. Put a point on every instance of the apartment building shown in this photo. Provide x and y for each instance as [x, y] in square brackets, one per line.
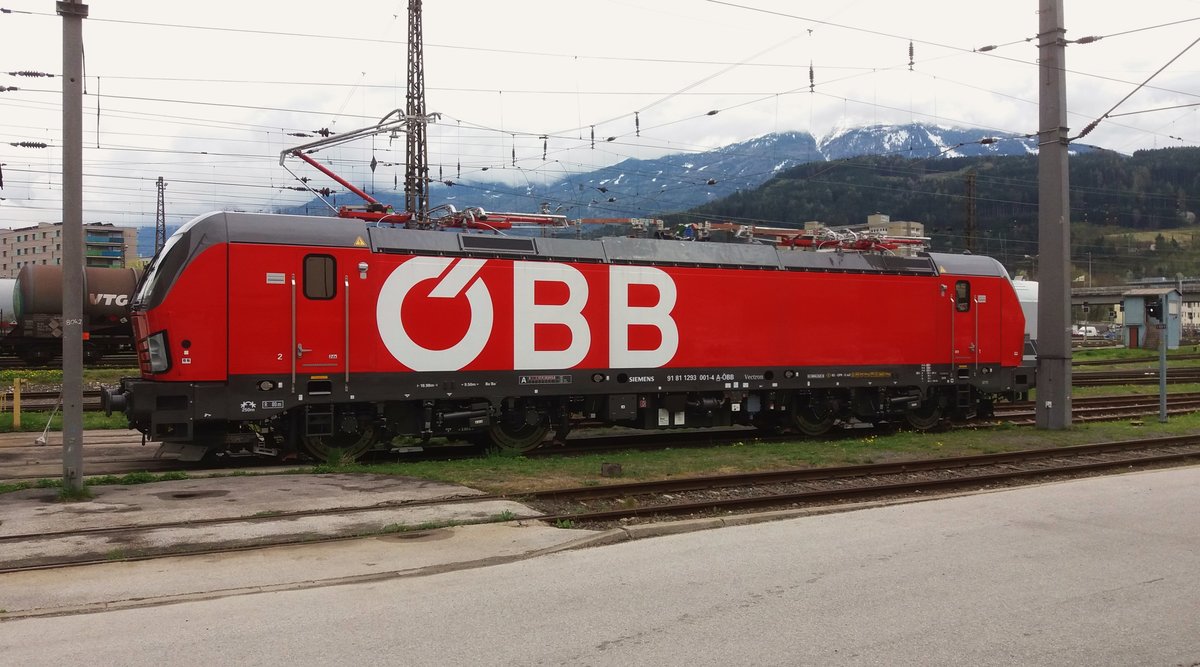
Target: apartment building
[105, 245]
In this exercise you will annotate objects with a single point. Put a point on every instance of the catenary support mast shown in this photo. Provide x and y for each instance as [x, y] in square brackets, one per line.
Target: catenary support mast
[1054, 225]
[160, 218]
[416, 167]
[72, 13]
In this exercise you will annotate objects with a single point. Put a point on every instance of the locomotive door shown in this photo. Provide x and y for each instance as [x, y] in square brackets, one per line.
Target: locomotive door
[320, 324]
[964, 325]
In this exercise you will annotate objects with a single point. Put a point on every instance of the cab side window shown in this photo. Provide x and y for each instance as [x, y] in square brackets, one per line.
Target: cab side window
[319, 273]
[962, 296]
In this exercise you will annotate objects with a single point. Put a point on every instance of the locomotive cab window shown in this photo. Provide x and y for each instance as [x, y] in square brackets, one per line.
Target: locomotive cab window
[962, 296]
[319, 274]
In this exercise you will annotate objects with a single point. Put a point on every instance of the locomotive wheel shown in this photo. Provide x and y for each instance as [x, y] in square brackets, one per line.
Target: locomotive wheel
[508, 438]
[926, 417]
[340, 447]
[813, 420]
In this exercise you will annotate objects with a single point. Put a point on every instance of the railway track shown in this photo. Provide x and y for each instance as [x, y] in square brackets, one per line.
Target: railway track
[1106, 408]
[23, 460]
[48, 400]
[789, 488]
[1133, 377]
[109, 361]
[708, 496]
[1132, 360]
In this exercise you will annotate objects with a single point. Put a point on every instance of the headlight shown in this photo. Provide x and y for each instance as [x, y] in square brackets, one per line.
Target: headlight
[156, 351]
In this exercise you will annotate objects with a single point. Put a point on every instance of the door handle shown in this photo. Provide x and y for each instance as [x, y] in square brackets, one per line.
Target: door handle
[300, 350]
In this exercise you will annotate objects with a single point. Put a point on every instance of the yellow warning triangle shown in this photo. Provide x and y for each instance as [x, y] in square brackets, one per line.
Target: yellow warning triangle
[359, 242]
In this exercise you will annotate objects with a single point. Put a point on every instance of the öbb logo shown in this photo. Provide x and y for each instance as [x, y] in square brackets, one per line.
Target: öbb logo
[462, 279]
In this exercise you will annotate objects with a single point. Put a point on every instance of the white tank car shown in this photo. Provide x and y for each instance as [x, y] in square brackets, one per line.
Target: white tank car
[1027, 294]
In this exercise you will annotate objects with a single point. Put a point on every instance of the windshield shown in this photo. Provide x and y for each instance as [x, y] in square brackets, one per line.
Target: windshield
[154, 271]
[189, 241]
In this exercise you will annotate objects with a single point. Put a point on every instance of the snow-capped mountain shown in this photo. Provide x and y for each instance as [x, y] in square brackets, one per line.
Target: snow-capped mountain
[921, 141]
[678, 182]
[645, 187]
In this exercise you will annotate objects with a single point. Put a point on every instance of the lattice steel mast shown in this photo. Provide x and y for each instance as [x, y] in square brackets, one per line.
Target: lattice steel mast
[160, 219]
[416, 167]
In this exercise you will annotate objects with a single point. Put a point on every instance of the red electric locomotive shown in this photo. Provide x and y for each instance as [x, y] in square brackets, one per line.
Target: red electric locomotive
[272, 333]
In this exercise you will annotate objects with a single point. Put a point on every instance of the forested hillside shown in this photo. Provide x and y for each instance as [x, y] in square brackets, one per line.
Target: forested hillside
[1115, 201]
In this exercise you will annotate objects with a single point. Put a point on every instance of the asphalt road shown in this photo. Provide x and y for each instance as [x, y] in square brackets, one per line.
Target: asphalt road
[1100, 571]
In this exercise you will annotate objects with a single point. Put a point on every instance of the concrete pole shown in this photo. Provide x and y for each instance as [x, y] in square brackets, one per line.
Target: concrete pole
[73, 13]
[1054, 226]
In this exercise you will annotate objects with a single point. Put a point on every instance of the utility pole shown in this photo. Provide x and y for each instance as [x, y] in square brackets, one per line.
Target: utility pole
[1054, 225]
[73, 13]
[416, 168]
[160, 219]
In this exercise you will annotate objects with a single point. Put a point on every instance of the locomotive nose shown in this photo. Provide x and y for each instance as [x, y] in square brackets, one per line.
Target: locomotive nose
[113, 401]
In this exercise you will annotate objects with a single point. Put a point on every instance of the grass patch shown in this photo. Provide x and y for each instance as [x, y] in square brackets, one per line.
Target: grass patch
[1124, 355]
[28, 376]
[516, 475]
[35, 422]
[70, 495]
[50, 376]
[98, 480]
[132, 478]
[1149, 391]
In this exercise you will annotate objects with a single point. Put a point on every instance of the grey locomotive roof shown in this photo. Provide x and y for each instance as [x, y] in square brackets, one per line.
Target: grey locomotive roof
[968, 265]
[339, 232]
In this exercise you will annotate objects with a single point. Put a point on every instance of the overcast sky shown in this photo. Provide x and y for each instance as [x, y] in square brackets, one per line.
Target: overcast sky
[205, 93]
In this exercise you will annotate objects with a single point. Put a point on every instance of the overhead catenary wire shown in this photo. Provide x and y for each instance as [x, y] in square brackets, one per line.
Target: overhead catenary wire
[517, 159]
[1091, 126]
